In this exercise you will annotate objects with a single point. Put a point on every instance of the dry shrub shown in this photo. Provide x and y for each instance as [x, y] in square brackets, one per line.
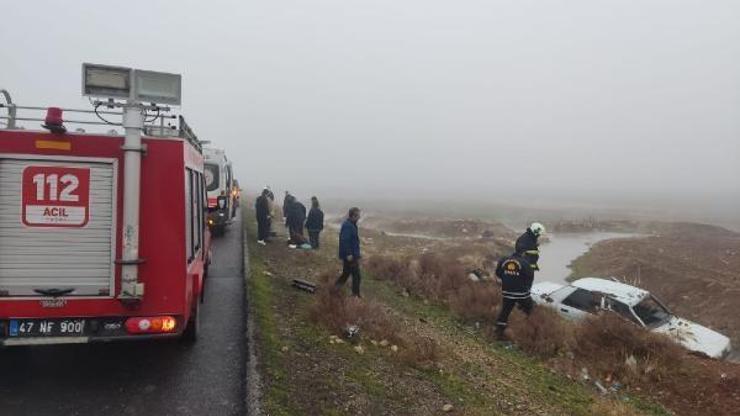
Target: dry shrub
[606, 342]
[419, 351]
[440, 278]
[543, 333]
[336, 312]
[475, 300]
[387, 268]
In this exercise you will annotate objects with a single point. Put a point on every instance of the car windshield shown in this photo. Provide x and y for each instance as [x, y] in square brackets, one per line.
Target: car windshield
[211, 174]
[651, 312]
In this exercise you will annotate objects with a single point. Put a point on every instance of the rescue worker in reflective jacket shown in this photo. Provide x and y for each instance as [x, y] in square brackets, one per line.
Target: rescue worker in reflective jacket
[516, 275]
[527, 245]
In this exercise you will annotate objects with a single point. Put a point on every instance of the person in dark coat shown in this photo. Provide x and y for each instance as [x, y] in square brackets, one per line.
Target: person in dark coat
[286, 208]
[262, 210]
[527, 245]
[516, 276]
[349, 252]
[296, 220]
[315, 222]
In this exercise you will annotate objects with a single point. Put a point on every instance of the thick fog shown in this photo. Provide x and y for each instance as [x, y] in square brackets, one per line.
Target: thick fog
[576, 100]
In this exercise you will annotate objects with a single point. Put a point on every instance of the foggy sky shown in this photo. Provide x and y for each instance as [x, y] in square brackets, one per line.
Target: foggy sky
[421, 96]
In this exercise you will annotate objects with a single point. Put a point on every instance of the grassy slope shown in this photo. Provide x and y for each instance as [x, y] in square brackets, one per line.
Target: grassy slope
[305, 374]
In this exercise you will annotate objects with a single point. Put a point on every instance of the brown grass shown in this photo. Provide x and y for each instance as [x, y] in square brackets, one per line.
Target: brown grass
[544, 333]
[603, 344]
[336, 312]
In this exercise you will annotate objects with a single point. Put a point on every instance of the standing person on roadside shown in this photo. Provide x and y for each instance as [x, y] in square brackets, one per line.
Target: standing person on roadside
[315, 222]
[271, 206]
[262, 211]
[349, 252]
[296, 221]
[516, 275]
[527, 245]
[286, 209]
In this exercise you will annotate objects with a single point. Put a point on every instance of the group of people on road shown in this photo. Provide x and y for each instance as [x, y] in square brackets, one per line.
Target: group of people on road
[295, 218]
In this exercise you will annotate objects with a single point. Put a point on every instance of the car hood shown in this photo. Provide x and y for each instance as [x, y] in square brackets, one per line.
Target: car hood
[696, 337]
[541, 290]
[544, 288]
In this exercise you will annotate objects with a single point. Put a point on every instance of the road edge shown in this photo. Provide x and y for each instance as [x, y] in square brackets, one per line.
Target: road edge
[254, 379]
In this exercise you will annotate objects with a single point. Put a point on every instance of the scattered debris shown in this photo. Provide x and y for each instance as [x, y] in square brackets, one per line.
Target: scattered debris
[601, 387]
[394, 348]
[266, 273]
[358, 349]
[333, 339]
[631, 363]
[285, 348]
[584, 374]
[447, 408]
[352, 331]
[304, 285]
[384, 343]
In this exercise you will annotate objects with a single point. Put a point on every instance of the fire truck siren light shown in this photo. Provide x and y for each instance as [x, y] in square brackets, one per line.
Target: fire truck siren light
[54, 120]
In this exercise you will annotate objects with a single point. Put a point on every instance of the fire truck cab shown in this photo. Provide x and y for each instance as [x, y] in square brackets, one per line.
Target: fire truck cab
[65, 276]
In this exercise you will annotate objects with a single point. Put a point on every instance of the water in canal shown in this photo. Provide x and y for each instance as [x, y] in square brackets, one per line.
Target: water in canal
[557, 254]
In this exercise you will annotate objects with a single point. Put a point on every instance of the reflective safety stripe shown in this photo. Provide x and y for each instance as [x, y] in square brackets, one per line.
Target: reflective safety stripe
[508, 292]
[532, 252]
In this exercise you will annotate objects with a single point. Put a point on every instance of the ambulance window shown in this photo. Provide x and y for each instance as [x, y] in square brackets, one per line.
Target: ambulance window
[188, 215]
[211, 174]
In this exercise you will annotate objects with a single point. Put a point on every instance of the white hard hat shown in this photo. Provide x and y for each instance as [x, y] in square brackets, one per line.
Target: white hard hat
[537, 228]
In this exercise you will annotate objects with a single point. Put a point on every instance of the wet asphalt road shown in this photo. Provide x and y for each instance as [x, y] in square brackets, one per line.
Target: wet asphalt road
[143, 378]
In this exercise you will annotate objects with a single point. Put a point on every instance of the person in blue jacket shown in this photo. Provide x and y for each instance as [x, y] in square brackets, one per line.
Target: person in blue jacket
[349, 252]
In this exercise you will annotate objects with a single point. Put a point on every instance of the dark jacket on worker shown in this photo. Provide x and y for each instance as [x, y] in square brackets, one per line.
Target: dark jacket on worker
[349, 240]
[315, 220]
[516, 276]
[262, 208]
[527, 246]
[287, 202]
[296, 216]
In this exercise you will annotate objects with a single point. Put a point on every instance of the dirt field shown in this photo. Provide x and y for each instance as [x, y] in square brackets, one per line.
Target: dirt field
[694, 268]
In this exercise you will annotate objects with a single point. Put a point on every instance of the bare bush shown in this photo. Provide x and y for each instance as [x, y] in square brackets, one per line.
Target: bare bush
[607, 342]
[336, 312]
[543, 333]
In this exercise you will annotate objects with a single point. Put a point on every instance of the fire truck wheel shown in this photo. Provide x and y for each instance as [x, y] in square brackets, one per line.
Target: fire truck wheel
[191, 330]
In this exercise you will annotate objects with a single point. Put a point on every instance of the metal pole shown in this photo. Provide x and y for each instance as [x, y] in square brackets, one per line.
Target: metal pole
[133, 124]
[11, 109]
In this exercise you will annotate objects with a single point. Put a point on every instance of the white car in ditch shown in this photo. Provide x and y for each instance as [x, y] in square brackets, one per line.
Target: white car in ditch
[587, 296]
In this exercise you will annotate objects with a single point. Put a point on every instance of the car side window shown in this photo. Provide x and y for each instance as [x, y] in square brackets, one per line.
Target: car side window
[624, 311]
[584, 300]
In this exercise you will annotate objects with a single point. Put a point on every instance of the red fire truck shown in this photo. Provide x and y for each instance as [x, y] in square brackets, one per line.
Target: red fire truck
[102, 236]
